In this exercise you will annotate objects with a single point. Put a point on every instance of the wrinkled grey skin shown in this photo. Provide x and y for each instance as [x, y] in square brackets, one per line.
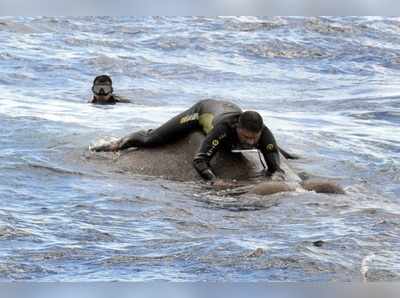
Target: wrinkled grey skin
[174, 162]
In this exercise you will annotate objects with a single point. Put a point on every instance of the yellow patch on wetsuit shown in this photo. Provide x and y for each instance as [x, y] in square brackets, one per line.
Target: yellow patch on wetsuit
[205, 121]
[270, 147]
[188, 118]
[215, 142]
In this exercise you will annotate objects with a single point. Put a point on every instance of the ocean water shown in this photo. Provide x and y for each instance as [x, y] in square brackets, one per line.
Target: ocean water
[327, 87]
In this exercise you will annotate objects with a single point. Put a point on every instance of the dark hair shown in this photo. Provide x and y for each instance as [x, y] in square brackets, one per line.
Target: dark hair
[251, 121]
[102, 80]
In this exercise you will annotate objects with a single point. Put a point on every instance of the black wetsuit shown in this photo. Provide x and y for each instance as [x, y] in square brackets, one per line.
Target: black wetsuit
[218, 120]
[111, 101]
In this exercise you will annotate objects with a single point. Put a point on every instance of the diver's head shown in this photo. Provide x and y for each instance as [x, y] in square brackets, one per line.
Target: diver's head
[102, 88]
[249, 128]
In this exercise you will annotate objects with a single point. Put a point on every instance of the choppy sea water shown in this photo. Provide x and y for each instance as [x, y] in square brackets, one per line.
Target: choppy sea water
[328, 88]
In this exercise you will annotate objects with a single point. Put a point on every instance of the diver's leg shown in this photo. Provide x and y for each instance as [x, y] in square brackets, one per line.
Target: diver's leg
[173, 129]
[288, 155]
[176, 127]
[199, 116]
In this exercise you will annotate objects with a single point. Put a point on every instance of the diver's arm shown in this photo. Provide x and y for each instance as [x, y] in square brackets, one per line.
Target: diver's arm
[121, 99]
[269, 149]
[211, 144]
[203, 168]
[273, 162]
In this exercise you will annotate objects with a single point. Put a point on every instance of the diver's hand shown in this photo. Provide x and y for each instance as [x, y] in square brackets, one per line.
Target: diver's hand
[278, 175]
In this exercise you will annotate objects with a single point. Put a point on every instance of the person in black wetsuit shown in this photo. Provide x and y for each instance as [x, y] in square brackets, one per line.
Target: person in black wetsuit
[103, 92]
[225, 125]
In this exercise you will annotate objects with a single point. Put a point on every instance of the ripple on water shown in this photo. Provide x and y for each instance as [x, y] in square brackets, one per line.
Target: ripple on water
[23, 271]
[255, 25]
[380, 266]
[14, 26]
[287, 50]
[238, 203]
[57, 253]
[8, 232]
[389, 116]
[330, 27]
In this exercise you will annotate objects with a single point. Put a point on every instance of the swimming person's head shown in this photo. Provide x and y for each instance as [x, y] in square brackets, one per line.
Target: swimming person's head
[249, 128]
[102, 89]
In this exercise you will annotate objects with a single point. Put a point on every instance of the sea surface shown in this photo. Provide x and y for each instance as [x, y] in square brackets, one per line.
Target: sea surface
[328, 88]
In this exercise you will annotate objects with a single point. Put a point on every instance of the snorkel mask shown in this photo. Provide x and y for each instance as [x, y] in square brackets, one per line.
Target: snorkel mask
[102, 89]
[102, 85]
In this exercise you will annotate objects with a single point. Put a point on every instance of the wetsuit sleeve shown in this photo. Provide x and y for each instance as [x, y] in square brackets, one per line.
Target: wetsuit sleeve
[268, 147]
[211, 144]
[121, 99]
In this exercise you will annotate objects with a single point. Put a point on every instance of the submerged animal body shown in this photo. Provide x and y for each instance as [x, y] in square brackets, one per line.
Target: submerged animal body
[174, 161]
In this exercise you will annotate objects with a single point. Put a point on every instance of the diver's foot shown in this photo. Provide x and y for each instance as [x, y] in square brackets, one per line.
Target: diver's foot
[108, 147]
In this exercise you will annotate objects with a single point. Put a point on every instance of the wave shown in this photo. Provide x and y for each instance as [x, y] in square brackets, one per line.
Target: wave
[389, 116]
[11, 270]
[253, 24]
[17, 27]
[238, 203]
[285, 49]
[8, 232]
[330, 26]
[55, 169]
